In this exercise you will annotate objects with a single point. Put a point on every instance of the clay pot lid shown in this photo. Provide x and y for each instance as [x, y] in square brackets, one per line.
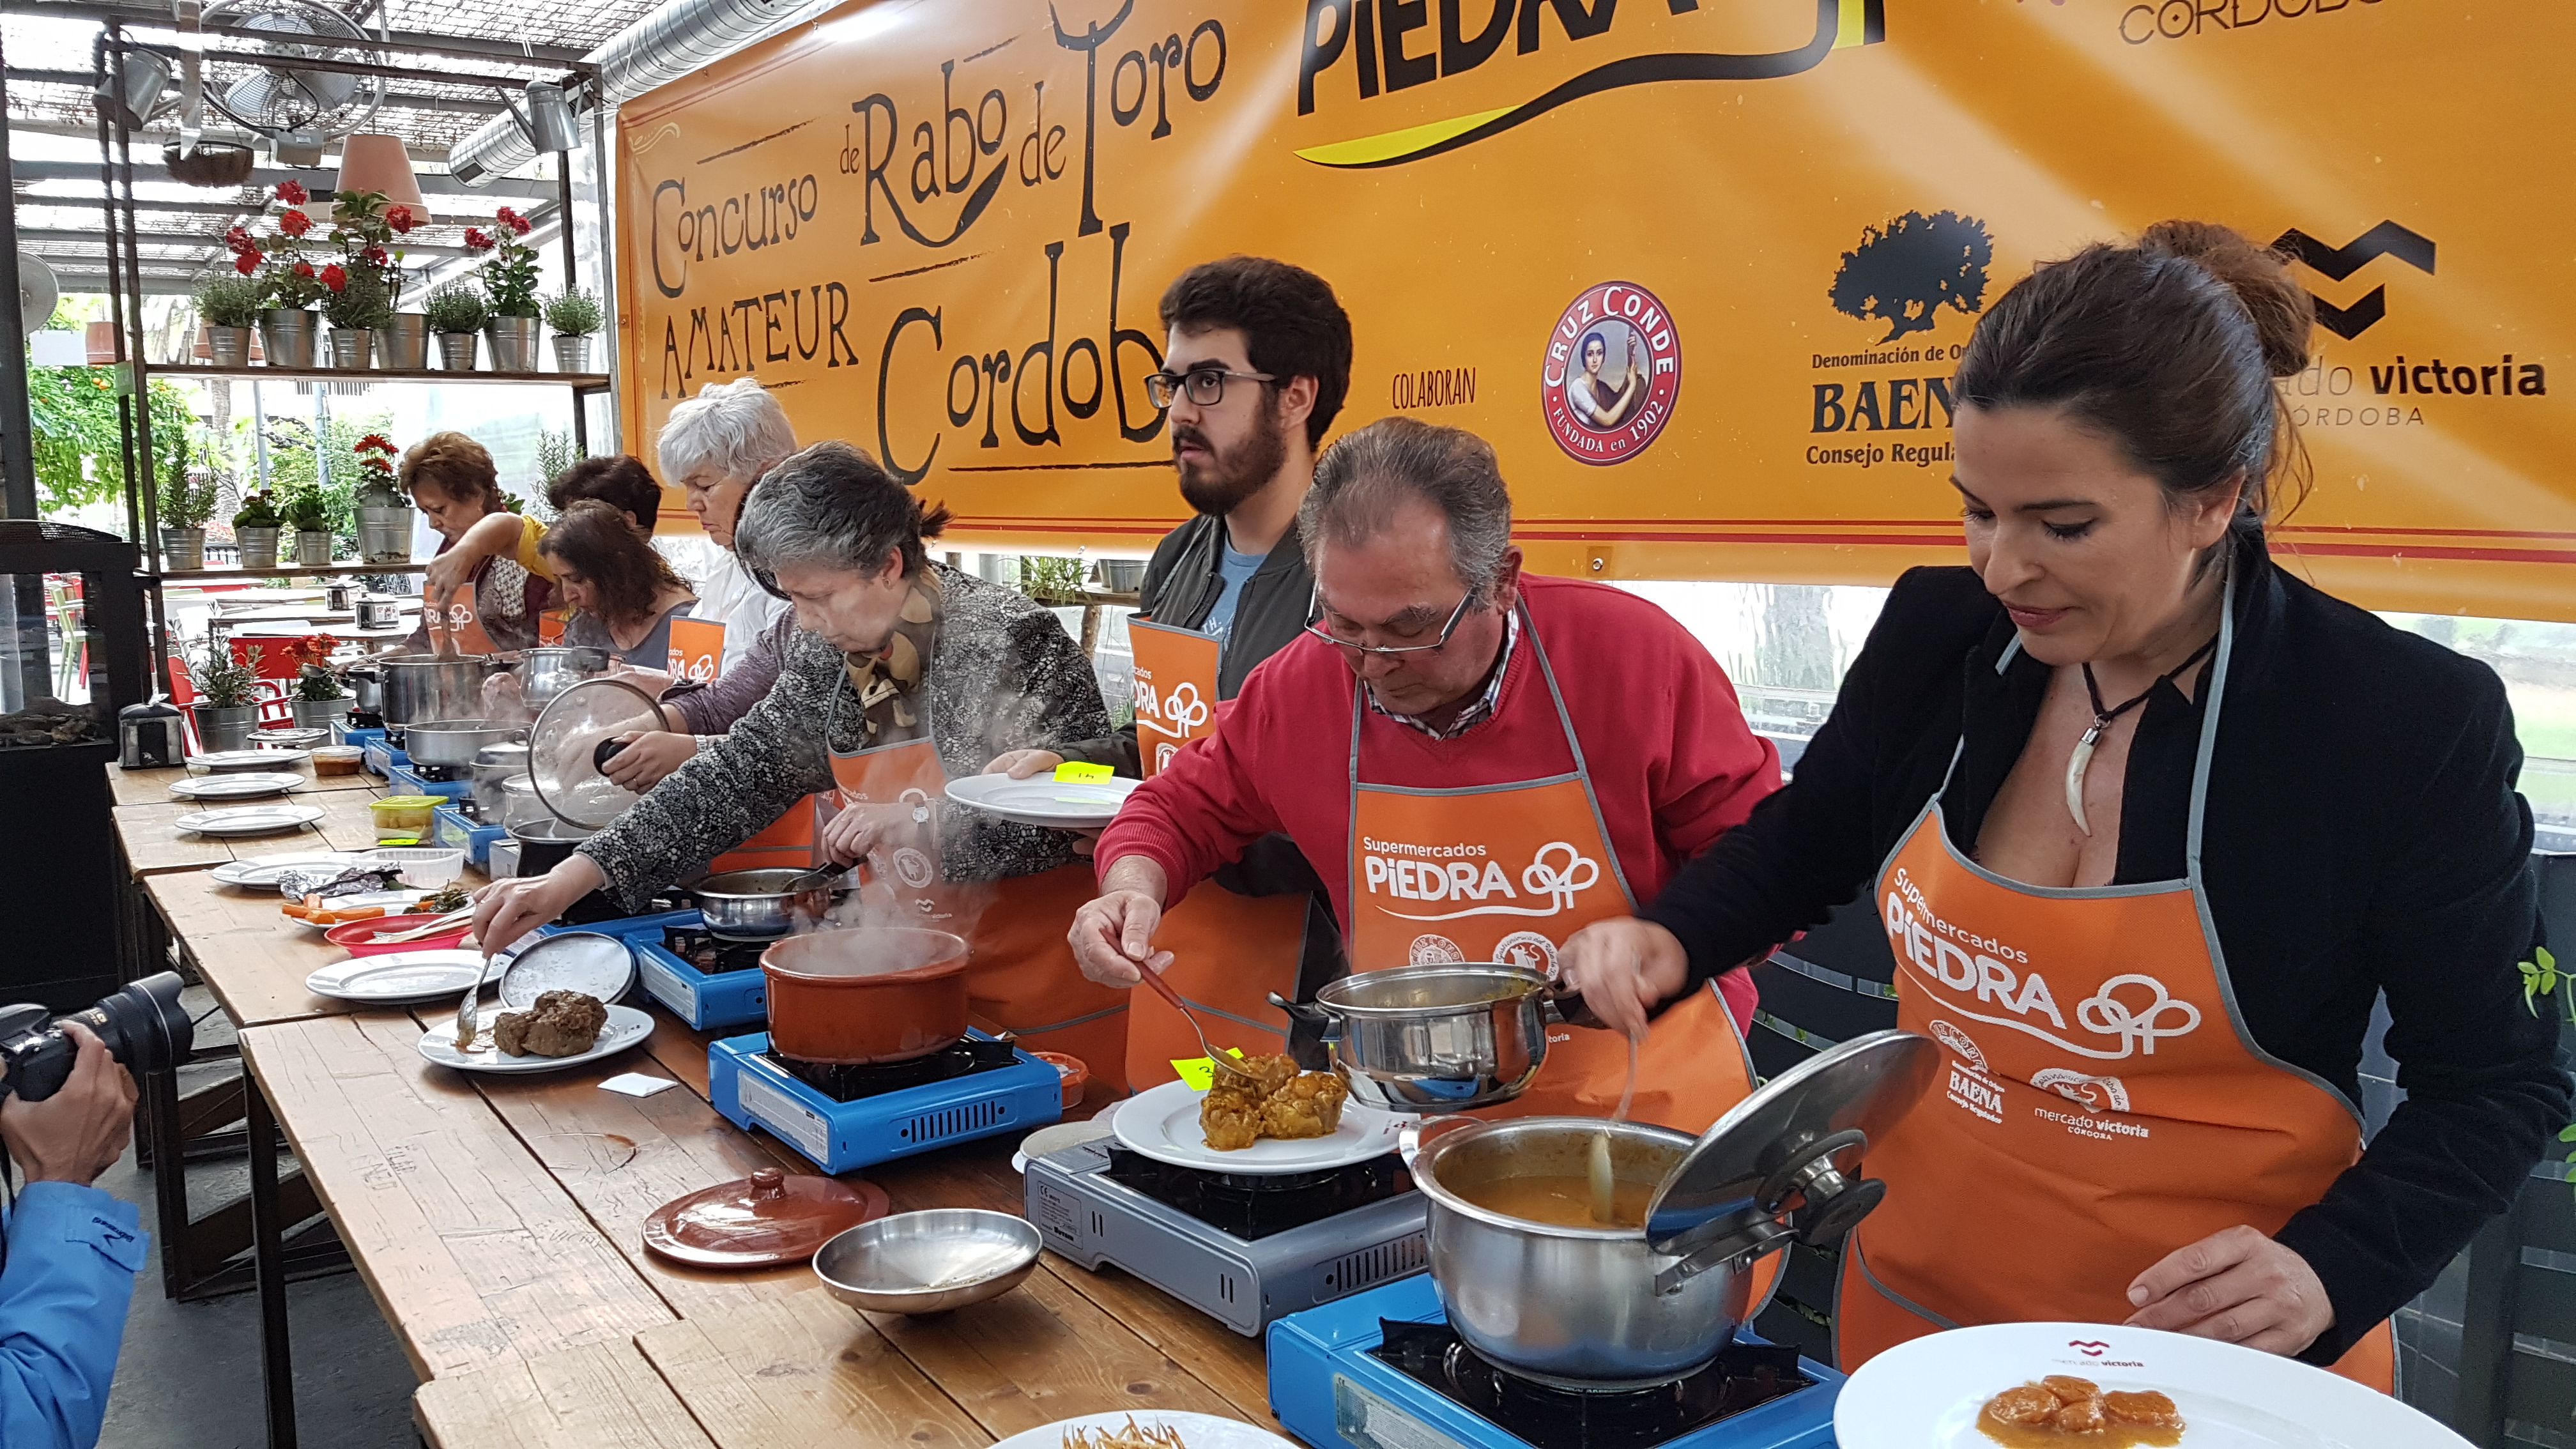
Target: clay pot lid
[760, 1221]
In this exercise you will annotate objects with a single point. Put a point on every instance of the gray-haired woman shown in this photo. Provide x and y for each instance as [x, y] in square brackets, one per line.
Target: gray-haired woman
[902, 673]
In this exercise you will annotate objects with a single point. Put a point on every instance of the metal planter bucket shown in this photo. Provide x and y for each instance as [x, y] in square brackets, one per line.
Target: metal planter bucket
[183, 550]
[404, 346]
[258, 547]
[384, 535]
[572, 354]
[224, 727]
[287, 337]
[456, 351]
[352, 348]
[228, 346]
[312, 549]
[318, 713]
[514, 343]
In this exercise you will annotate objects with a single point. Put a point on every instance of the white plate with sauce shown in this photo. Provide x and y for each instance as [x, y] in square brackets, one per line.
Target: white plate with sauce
[1053, 804]
[1163, 1123]
[1195, 1431]
[1926, 1393]
[626, 1027]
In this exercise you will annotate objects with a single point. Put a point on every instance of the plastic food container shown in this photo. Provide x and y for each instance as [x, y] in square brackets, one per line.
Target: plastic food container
[337, 759]
[358, 937]
[424, 866]
[403, 819]
[1075, 1074]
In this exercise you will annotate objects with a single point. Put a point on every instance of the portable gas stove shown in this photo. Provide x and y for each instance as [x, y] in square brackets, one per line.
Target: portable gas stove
[1384, 1371]
[849, 1117]
[706, 980]
[1244, 1250]
[449, 782]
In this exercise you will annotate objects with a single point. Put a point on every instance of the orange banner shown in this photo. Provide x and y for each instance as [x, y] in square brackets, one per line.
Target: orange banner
[1700, 272]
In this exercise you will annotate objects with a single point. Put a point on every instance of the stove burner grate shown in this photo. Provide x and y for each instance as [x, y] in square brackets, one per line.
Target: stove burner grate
[712, 954]
[964, 1057]
[1745, 1376]
[1253, 1207]
[442, 774]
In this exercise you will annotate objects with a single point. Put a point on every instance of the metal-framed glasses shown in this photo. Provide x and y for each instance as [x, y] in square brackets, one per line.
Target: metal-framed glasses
[1204, 386]
[1314, 626]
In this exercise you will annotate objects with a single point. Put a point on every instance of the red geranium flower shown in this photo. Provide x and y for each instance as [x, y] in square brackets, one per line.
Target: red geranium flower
[246, 263]
[334, 278]
[399, 217]
[293, 193]
[293, 222]
[375, 256]
[304, 269]
[477, 239]
[375, 441]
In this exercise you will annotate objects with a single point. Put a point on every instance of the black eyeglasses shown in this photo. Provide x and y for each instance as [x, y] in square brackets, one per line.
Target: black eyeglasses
[1205, 386]
[1315, 614]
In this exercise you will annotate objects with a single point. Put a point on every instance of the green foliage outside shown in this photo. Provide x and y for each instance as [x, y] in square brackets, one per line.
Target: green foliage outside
[290, 462]
[1051, 580]
[79, 437]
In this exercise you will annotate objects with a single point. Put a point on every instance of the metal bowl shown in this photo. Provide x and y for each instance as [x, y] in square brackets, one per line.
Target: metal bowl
[756, 905]
[928, 1262]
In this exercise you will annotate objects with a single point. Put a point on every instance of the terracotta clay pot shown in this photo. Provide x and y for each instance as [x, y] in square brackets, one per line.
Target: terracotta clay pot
[865, 995]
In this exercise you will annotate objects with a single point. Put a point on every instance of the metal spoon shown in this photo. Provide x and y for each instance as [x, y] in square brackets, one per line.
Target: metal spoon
[1165, 989]
[1605, 1184]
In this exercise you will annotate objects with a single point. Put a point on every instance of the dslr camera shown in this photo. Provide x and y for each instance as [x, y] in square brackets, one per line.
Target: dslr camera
[143, 1025]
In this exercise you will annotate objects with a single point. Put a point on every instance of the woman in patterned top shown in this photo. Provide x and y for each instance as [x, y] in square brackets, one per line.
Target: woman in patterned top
[902, 674]
[451, 478]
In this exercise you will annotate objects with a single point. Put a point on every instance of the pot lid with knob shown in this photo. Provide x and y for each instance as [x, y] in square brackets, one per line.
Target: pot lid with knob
[571, 741]
[768, 1218]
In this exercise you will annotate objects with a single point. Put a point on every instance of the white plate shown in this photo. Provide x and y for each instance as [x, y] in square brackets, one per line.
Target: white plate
[1055, 804]
[626, 1026]
[1925, 1393]
[248, 819]
[235, 787]
[1163, 1123]
[260, 872]
[394, 903]
[399, 976]
[224, 760]
[1198, 1431]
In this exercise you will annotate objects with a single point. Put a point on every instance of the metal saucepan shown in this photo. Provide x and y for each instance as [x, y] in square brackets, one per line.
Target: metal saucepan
[545, 844]
[431, 686]
[756, 905]
[1439, 1038]
[549, 671]
[457, 741]
[495, 766]
[1583, 1307]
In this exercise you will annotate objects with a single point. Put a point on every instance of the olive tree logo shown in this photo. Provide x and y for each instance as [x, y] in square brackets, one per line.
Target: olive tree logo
[1904, 273]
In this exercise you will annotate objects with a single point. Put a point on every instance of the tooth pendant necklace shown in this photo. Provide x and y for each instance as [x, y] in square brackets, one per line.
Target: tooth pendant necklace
[2082, 759]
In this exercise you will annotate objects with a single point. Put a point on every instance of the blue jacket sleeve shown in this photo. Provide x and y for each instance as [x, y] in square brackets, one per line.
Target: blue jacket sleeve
[73, 1254]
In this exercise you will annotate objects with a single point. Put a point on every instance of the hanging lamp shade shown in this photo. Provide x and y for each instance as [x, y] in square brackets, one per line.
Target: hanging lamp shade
[378, 163]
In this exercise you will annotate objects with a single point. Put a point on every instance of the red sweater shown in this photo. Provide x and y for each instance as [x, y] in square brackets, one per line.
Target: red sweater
[1671, 759]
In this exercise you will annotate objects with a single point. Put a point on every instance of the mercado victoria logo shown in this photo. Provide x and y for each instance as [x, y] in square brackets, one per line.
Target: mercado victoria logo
[1378, 48]
[1904, 274]
[2391, 390]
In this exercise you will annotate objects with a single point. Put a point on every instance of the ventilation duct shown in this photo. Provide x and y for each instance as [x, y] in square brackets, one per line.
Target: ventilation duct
[681, 37]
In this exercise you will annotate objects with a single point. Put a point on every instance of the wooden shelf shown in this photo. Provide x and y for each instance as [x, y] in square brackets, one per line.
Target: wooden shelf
[284, 571]
[578, 381]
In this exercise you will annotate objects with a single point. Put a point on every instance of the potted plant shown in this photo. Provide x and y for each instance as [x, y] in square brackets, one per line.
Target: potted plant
[509, 290]
[318, 697]
[230, 308]
[456, 313]
[226, 707]
[310, 515]
[574, 316]
[357, 304]
[255, 528]
[293, 284]
[384, 515]
[367, 229]
[1050, 580]
[185, 505]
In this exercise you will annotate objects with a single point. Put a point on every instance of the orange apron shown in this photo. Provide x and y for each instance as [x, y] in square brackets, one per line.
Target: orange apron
[2103, 1104]
[697, 649]
[458, 619]
[1021, 977]
[1229, 951]
[787, 843]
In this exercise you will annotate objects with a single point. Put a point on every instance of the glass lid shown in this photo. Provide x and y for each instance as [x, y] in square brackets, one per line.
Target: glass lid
[573, 736]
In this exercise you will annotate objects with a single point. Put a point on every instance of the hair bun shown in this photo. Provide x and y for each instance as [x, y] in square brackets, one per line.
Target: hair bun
[2283, 313]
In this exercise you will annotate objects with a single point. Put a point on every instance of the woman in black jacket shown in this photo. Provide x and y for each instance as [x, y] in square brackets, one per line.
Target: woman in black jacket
[2150, 823]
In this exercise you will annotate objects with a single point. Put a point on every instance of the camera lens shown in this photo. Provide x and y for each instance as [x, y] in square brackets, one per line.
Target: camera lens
[143, 1024]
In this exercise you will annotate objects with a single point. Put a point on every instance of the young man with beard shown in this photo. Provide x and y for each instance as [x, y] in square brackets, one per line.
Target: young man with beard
[1256, 364]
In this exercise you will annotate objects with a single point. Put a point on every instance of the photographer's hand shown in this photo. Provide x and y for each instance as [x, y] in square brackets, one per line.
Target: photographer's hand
[80, 1131]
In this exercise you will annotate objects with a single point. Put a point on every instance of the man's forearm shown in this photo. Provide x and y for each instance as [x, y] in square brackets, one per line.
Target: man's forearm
[1140, 873]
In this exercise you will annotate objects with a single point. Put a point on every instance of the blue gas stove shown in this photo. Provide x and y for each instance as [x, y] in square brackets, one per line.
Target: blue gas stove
[850, 1117]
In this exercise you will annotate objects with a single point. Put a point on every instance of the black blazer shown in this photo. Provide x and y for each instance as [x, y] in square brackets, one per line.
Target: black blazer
[2363, 834]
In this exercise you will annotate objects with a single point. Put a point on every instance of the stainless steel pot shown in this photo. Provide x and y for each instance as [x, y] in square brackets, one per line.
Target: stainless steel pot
[547, 672]
[520, 805]
[495, 766]
[1435, 1038]
[759, 904]
[457, 741]
[366, 689]
[432, 686]
[1579, 1307]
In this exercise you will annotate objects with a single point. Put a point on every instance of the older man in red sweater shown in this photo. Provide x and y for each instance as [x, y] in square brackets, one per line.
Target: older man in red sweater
[1479, 762]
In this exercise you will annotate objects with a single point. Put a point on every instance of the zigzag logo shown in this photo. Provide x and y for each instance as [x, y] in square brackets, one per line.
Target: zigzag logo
[2387, 239]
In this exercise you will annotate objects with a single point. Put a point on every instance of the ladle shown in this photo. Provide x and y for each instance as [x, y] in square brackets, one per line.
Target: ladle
[1605, 1185]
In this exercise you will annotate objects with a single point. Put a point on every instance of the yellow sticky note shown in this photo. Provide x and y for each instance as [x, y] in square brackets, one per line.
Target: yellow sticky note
[1200, 1071]
[1077, 770]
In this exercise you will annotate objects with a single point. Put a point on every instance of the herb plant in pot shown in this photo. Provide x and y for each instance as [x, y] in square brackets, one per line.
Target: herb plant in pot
[256, 528]
[185, 505]
[456, 314]
[358, 304]
[310, 515]
[230, 308]
[384, 516]
[510, 290]
[226, 708]
[574, 316]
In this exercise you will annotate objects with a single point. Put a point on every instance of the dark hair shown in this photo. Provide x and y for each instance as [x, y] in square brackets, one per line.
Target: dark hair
[1362, 480]
[2168, 347]
[621, 482]
[832, 505]
[1292, 324]
[455, 465]
[624, 571]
